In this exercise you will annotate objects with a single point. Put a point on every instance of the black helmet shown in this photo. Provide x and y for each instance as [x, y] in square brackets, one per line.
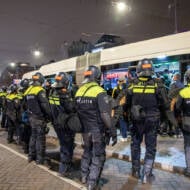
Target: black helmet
[38, 79]
[12, 88]
[92, 73]
[4, 88]
[187, 76]
[61, 80]
[145, 68]
[25, 83]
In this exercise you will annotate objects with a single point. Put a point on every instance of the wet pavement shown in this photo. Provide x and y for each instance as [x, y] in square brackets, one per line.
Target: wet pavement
[169, 156]
[16, 173]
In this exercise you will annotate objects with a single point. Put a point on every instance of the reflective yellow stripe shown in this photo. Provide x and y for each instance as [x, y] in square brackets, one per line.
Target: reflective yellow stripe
[11, 96]
[54, 100]
[33, 90]
[140, 90]
[92, 92]
[185, 93]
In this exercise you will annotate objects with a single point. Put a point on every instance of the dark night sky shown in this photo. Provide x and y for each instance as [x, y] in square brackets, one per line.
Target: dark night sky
[48, 24]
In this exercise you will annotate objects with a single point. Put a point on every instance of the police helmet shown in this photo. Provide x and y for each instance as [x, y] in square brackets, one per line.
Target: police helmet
[92, 73]
[12, 88]
[38, 79]
[4, 88]
[145, 68]
[24, 83]
[61, 80]
[187, 76]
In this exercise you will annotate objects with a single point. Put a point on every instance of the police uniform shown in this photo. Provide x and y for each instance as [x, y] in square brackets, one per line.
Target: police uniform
[3, 95]
[183, 105]
[91, 100]
[12, 106]
[62, 105]
[145, 96]
[38, 111]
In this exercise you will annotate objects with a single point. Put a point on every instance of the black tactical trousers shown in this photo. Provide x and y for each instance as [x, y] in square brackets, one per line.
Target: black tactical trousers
[186, 136]
[148, 130]
[37, 143]
[66, 140]
[11, 123]
[93, 157]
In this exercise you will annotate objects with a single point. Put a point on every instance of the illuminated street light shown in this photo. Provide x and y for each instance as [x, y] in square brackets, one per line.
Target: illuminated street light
[12, 64]
[121, 6]
[37, 53]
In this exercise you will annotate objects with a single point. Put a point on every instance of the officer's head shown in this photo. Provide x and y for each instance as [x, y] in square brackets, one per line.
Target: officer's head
[12, 88]
[187, 76]
[92, 74]
[61, 81]
[24, 83]
[3, 88]
[145, 68]
[37, 79]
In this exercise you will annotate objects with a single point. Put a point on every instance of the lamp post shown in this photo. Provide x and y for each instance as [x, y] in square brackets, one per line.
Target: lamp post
[174, 5]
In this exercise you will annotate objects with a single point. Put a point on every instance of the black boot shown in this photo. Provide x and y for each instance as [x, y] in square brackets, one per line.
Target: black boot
[83, 180]
[147, 178]
[136, 173]
[187, 173]
[93, 187]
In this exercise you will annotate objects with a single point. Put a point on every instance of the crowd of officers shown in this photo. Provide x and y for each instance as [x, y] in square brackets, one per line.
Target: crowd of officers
[27, 109]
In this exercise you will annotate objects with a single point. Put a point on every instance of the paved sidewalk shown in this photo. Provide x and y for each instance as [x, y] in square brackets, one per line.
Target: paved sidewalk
[169, 157]
[16, 173]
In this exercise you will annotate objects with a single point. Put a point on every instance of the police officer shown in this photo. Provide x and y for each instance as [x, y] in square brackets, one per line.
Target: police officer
[25, 126]
[95, 114]
[145, 96]
[3, 95]
[12, 105]
[183, 106]
[62, 105]
[38, 112]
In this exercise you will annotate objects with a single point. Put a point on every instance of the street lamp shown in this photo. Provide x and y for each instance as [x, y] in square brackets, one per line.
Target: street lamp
[121, 6]
[12, 64]
[37, 53]
[174, 5]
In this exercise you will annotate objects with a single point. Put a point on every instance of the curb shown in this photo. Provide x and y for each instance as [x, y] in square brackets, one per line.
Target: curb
[157, 165]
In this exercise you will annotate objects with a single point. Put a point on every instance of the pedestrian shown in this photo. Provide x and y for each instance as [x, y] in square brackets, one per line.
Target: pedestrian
[94, 109]
[62, 105]
[183, 107]
[119, 110]
[145, 96]
[175, 87]
[38, 113]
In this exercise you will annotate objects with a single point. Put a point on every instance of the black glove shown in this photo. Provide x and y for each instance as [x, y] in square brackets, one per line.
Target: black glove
[47, 130]
[111, 134]
[107, 137]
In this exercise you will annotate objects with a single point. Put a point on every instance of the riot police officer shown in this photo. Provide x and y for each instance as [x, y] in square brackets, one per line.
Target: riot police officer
[95, 114]
[12, 105]
[38, 112]
[145, 96]
[183, 106]
[3, 95]
[62, 105]
[25, 126]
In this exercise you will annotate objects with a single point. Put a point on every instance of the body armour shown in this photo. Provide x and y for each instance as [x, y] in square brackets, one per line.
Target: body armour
[33, 106]
[144, 92]
[87, 107]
